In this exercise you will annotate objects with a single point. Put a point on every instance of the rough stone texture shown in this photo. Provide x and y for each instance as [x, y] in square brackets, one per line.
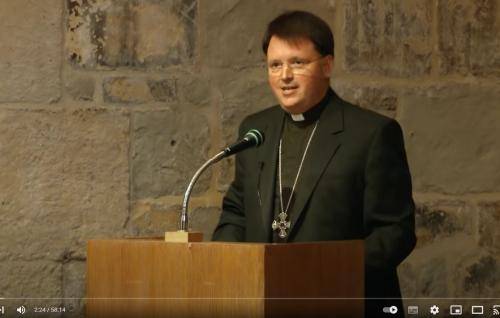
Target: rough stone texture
[195, 88]
[73, 282]
[81, 88]
[29, 282]
[407, 279]
[450, 132]
[489, 223]
[238, 98]
[482, 276]
[154, 219]
[64, 180]
[439, 220]
[205, 220]
[30, 51]
[114, 33]
[388, 37]
[381, 99]
[428, 271]
[168, 147]
[468, 37]
[138, 90]
[448, 261]
[232, 30]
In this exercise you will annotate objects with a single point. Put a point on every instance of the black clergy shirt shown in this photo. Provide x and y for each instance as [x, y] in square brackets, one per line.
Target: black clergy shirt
[295, 135]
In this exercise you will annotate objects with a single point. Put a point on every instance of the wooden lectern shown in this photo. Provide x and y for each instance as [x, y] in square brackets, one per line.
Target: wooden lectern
[153, 278]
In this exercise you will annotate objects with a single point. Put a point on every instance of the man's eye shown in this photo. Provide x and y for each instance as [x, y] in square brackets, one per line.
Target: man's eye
[275, 65]
[298, 63]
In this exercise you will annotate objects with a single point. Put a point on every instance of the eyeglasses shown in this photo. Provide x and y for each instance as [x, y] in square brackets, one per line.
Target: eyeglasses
[296, 65]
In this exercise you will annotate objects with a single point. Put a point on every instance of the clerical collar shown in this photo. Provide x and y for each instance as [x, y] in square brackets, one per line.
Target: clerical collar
[313, 113]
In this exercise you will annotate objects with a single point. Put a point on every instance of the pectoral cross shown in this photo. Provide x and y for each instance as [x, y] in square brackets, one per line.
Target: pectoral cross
[282, 225]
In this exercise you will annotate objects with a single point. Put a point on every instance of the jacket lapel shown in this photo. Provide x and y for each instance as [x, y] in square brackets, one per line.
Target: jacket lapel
[323, 146]
[267, 158]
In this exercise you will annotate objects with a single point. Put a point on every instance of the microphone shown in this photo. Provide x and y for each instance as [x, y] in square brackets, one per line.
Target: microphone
[253, 138]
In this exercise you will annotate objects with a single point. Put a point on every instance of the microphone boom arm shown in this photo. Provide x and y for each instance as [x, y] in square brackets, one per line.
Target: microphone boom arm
[187, 195]
[253, 138]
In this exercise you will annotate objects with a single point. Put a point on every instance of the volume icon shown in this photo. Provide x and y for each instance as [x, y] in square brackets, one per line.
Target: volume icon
[21, 310]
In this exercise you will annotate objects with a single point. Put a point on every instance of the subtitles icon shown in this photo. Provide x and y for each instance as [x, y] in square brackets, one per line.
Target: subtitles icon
[412, 310]
[390, 310]
[456, 310]
[477, 310]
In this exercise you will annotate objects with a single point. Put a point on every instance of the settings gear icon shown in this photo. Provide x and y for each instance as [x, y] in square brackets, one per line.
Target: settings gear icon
[434, 310]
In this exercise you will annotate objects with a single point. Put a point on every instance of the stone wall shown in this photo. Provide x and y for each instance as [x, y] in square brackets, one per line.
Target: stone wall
[107, 107]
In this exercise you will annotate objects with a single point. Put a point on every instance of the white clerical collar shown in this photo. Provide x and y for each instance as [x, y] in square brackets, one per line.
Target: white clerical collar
[298, 117]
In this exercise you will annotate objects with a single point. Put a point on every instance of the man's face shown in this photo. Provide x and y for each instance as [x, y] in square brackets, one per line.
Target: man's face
[298, 75]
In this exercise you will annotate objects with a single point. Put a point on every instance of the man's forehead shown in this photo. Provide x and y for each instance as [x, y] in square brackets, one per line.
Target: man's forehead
[298, 44]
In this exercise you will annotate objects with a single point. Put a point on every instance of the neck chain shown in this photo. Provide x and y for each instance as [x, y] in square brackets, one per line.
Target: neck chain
[282, 224]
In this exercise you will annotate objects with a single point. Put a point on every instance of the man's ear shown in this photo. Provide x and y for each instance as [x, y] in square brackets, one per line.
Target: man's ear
[327, 66]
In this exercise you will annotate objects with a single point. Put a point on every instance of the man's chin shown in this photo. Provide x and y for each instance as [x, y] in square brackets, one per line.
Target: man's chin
[291, 108]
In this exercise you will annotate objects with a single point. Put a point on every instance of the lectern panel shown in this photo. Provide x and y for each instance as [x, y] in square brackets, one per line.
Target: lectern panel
[154, 278]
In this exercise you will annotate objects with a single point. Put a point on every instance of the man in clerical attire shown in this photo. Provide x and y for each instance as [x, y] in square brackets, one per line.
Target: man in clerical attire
[328, 170]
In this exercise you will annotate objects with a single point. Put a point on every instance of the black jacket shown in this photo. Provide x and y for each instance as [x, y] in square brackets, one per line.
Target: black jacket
[355, 184]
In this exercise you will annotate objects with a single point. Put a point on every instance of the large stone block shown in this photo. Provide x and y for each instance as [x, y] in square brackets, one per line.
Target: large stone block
[30, 33]
[194, 88]
[407, 279]
[388, 37]
[435, 221]
[468, 37]
[455, 255]
[205, 220]
[451, 138]
[380, 98]
[33, 279]
[489, 223]
[429, 270]
[168, 147]
[154, 219]
[31, 284]
[185, 87]
[231, 31]
[239, 97]
[114, 33]
[80, 88]
[440, 227]
[139, 90]
[64, 179]
[476, 274]
[431, 278]
[73, 288]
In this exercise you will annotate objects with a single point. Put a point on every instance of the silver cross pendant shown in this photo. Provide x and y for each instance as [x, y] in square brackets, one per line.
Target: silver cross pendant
[282, 225]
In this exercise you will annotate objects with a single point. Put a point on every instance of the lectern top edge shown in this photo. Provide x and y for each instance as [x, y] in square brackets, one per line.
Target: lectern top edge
[160, 240]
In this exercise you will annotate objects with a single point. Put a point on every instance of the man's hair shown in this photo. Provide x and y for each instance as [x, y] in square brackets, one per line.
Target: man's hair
[294, 25]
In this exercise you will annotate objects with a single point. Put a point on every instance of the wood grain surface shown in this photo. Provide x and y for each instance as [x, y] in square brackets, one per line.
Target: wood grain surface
[153, 278]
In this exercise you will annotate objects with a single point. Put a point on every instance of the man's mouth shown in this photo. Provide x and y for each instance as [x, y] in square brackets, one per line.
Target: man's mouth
[288, 89]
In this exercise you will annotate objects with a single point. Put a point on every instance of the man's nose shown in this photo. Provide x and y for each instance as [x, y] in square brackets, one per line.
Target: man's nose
[286, 72]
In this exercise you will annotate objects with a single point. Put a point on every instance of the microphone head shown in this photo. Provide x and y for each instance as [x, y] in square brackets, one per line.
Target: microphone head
[256, 136]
